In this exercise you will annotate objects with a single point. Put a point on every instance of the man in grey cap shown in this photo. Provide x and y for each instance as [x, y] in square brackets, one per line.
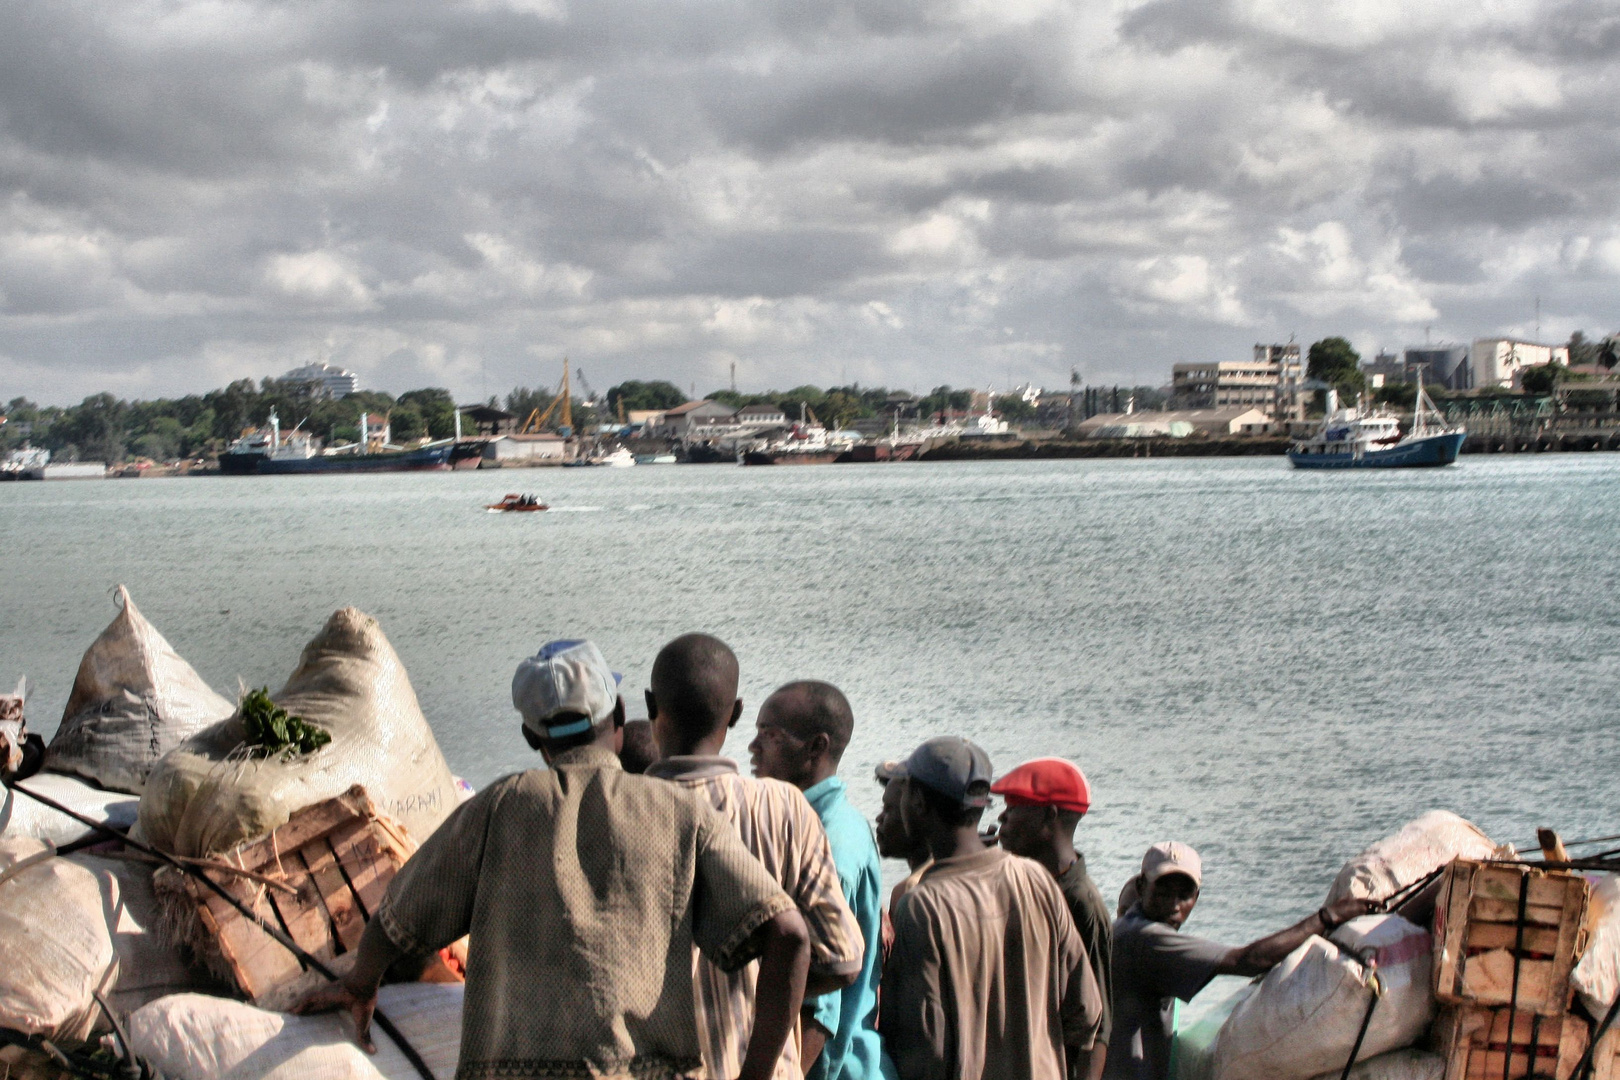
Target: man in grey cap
[988, 978]
[584, 890]
[1155, 964]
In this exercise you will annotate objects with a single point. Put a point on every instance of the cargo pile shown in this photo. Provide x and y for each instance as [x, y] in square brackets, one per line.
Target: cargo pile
[1486, 966]
[213, 852]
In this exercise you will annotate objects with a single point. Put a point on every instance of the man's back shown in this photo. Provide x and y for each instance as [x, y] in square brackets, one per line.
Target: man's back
[779, 827]
[988, 977]
[584, 890]
[1096, 929]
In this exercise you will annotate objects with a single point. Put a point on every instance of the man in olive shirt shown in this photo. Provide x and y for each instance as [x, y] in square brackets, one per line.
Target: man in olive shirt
[584, 889]
[1155, 964]
[988, 979]
[1046, 798]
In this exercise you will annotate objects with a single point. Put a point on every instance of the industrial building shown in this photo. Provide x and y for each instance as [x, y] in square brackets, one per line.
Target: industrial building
[1272, 382]
[1227, 420]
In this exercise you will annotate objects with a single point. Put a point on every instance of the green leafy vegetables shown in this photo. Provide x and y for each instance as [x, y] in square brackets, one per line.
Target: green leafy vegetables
[270, 730]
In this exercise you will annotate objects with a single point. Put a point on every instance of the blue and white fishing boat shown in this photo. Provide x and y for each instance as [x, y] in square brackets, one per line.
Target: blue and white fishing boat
[1358, 438]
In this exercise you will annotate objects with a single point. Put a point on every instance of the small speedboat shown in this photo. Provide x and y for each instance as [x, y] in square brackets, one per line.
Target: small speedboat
[514, 503]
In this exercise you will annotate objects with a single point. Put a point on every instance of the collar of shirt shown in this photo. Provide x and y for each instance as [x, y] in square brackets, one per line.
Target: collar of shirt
[691, 767]
[964, 864]
[823, 795]
[589, 756]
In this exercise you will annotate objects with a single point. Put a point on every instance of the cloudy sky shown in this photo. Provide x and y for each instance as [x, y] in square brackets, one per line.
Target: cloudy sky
[899, 192]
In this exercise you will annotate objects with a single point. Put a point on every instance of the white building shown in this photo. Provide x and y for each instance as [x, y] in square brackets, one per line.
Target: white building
[1226, 420]
[331, 381]
[1501, 361]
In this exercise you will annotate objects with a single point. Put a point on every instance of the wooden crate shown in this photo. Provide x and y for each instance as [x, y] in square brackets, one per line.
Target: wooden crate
[1479, 1043]
[319, 877]
[1476, 932]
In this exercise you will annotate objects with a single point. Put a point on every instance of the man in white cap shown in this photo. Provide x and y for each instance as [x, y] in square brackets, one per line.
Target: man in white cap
[584, 890]
[1155, 964]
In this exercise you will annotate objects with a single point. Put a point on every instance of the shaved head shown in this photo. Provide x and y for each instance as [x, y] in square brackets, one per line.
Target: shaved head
[808, 708]
[694, 686]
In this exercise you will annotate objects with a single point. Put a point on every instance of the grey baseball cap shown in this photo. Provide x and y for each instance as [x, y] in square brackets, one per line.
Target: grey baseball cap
[953, 767]
[565, 677]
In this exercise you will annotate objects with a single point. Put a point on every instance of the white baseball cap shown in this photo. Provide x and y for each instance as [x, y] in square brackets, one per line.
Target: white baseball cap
[569, 677]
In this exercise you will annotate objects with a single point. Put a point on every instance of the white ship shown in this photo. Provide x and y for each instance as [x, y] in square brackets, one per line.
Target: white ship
[1361, 438]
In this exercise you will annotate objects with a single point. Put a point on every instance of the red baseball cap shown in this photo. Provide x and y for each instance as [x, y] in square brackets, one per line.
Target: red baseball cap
[1046, 782]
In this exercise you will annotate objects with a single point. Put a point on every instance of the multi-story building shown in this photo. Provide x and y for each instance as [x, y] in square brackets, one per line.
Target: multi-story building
[1272, 381]
[328, 380]
[1501, 361]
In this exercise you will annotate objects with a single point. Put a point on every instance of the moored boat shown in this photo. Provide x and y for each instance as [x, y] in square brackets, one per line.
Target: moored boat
[1358, 438]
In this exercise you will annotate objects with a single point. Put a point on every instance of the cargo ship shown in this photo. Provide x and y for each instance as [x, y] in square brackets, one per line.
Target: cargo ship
[267, 452]
[1357, 438]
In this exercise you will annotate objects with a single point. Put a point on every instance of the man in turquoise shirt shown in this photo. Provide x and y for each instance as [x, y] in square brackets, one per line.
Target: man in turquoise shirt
[802, 730]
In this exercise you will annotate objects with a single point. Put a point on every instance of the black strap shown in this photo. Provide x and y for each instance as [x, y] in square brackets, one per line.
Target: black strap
[1583, 1071]
[1366, 1022]
[275, 933]
[1513, 997]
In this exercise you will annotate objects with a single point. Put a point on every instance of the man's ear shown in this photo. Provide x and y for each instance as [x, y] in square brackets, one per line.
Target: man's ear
[736, 713]
[819, 744]
[531, 738]
[652, 704]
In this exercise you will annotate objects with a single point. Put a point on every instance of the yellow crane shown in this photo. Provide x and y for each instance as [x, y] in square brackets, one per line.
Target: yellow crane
[536, 423]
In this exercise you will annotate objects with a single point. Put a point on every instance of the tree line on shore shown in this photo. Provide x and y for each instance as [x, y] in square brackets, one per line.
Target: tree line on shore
[104, 427]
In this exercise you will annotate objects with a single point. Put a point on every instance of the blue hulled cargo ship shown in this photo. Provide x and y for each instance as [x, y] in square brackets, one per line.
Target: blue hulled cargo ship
[1355, 438]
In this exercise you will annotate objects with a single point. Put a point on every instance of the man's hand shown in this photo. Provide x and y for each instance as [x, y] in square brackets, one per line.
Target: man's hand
[338, 995]
[1351, 907]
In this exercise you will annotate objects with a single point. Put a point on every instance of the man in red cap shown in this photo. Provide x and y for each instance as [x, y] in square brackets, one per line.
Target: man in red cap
[1046, 798]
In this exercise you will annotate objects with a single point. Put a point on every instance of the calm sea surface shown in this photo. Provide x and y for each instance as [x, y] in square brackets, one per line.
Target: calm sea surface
[1276, 667]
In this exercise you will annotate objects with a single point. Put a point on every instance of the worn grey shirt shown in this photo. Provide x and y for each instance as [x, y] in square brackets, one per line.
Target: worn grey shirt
[1153, 965]
[584, 890]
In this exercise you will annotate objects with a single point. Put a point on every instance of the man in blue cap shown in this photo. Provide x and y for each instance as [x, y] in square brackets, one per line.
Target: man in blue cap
[988, 978]
[584, 890]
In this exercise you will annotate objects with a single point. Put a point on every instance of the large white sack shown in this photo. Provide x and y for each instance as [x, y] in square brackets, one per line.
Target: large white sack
[193, 1037]
[24, 817]
[1420, 847]
[1192, 1056]
[1395, 1065]
[133, 701]
[207, 796]
[73, 924]
[1303, 1017]
[1596, 977]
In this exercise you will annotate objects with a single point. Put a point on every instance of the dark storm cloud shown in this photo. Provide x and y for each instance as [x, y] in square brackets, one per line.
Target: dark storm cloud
[913, 192]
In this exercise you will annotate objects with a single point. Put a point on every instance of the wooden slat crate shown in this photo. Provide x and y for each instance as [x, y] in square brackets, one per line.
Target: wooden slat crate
[1476, 930]
[1479, 1043]
[319, 877]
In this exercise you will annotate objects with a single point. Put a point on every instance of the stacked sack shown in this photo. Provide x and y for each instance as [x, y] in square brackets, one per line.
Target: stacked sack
[1302, 1019]
[140, 721]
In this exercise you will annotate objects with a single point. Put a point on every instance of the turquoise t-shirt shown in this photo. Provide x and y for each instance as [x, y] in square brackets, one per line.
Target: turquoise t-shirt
[854, 1050]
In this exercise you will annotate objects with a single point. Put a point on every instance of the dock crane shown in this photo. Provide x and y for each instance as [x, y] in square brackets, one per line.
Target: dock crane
[536, 422]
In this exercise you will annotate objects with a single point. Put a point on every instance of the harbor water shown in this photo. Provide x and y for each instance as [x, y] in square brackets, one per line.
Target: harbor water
[1274, 666]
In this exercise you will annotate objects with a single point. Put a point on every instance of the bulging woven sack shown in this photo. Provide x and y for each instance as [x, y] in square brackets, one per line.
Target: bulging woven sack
[1419, 848]
[210, 793]
[133, 701]
[193, 1037]
[70, 925]
[1597, 976]
[1303, 1016]
[22, 816]
[1395, 1065]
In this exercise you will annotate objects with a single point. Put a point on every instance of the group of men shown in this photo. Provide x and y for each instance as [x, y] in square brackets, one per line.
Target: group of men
[641, 909]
